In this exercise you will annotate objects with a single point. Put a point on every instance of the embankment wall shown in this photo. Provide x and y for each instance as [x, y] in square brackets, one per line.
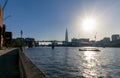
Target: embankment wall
[15, 64]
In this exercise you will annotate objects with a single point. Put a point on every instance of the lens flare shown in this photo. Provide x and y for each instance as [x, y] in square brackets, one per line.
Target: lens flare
[89, 24]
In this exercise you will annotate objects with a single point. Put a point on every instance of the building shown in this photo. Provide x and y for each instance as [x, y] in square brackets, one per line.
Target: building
[8, 38]
[104, 42]
[1, 27]
[115, 37]
[106, 39]
[30, 42]
[66, 42]
[75, 42]
[80, 42]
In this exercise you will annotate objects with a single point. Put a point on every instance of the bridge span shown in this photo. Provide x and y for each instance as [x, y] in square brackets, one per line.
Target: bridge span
[49, 41]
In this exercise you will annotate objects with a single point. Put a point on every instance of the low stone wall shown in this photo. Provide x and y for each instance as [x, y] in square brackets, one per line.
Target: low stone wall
[28, 69]
[14, 64]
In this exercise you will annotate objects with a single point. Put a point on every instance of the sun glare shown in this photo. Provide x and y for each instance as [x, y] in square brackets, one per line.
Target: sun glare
[89, 24]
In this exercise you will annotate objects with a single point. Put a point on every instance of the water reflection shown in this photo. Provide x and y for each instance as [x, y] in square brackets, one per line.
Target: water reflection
[90, 63]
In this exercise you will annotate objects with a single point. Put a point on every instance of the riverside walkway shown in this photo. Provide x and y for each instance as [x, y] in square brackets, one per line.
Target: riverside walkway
[9, 67]
[14, 64]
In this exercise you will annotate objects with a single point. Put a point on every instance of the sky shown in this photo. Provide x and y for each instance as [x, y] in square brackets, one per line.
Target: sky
[48, 19]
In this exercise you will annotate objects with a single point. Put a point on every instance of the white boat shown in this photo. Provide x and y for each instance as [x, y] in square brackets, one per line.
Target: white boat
[89, 49]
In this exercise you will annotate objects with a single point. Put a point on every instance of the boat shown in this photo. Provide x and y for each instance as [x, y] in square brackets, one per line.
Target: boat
[89, 49]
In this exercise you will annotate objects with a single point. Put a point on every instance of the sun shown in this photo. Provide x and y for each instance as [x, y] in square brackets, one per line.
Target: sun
[89, 24]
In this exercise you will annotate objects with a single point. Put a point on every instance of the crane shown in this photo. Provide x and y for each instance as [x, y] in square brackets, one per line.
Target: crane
[95, 36]
[6, 1]
[3, 8]
[7, 17]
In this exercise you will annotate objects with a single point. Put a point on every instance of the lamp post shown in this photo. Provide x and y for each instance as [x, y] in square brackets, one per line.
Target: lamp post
[21, 33]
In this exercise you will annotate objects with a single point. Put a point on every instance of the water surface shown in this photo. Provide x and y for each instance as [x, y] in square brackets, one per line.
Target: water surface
[69, 62]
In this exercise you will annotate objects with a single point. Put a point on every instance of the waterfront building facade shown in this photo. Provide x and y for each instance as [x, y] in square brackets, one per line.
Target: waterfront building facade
[104, 42]
[7, 38]
[30, 42]
[106, 39]
[80, 42]
[115, 37]
[1, 27]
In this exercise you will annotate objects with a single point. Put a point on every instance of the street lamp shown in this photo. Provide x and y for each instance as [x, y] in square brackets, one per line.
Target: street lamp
[21, 33]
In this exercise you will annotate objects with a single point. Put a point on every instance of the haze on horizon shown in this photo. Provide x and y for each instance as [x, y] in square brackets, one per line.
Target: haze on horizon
[48, 19]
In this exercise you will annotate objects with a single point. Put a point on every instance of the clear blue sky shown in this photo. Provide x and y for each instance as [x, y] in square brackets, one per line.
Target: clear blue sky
[48, 19]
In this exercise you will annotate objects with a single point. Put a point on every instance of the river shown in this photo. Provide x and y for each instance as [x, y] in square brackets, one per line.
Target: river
[69, 62]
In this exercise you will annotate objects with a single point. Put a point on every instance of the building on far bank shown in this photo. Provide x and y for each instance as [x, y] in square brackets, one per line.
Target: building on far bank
[106, 39]
[30, 42]
[80, 42]
[24, 42]
[66, 42]
[104, 42]
[115, 37]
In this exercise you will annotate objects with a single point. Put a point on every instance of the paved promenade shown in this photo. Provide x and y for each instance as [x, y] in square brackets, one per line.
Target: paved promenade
[9, 64]
[2, 52]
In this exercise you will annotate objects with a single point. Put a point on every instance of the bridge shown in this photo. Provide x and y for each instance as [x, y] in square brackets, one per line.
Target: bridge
[32, 42]
[49, 41]
[46, 42]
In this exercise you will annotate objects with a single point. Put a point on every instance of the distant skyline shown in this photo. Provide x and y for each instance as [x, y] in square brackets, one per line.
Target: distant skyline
[48, 19]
